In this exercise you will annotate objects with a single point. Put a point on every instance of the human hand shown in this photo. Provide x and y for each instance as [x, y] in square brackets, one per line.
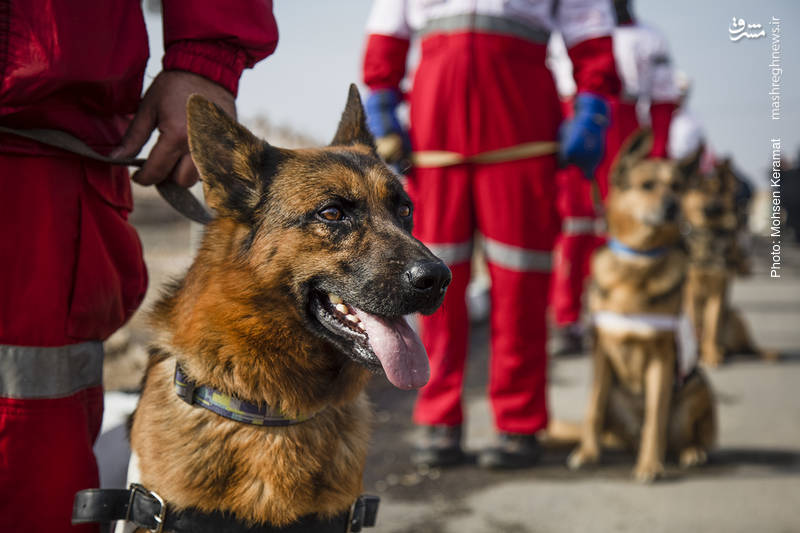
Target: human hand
[391, 139]
[164, 107]
[583, 137]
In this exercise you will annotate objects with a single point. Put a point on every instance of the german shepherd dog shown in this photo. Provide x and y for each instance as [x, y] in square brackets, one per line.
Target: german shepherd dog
[636, 297]
[712, 226]
[299, 291]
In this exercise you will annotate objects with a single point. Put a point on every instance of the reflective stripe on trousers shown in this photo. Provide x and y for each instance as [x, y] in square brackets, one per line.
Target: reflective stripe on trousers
[504, 255]
[31, 372]
[583, 226]
[516, 258]
[452, 253]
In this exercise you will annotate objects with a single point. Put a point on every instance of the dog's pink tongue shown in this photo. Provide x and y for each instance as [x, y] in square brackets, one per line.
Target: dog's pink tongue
[399, 349]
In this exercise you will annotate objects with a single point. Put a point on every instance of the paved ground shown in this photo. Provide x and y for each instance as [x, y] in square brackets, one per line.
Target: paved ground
[751, 484]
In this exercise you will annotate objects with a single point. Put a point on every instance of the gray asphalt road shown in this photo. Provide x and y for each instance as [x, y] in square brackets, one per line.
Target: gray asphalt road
[752, 482]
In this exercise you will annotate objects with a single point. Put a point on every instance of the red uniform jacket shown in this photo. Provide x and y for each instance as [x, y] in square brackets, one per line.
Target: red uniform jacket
[78, 67]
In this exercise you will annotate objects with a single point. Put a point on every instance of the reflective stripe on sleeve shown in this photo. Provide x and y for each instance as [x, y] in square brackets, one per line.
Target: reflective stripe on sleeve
[452, 254]
[28, 372]
[516, 258]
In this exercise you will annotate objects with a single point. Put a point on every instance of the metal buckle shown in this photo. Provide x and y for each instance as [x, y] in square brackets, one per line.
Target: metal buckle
[351, 519]
[162, 513]
[184, 387]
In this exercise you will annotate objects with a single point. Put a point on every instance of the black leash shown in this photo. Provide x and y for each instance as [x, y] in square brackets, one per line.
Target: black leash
[148, 510]
[178, 197]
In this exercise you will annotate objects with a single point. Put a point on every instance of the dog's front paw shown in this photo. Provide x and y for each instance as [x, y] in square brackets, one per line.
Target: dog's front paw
[693, 456]
[582, 457]
[648, 471]
[769, 355]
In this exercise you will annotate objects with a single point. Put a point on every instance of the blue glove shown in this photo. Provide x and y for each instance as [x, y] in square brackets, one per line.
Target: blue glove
[391, 138]
[382, 112]
[583, 137]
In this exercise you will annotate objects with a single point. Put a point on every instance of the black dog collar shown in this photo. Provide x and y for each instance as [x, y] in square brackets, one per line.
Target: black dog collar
[148, 510]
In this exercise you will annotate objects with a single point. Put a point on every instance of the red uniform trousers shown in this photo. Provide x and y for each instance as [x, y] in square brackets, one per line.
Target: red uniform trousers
[581, 224]
[473, 93]
[71, 273]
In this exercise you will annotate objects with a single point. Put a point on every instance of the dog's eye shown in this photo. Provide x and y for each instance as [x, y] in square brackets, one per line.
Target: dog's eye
[404, 211]
[331, 214]
[649, 185]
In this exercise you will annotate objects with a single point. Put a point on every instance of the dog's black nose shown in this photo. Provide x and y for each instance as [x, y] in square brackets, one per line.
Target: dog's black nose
[670, 209]
[429, 277]
[713, 210]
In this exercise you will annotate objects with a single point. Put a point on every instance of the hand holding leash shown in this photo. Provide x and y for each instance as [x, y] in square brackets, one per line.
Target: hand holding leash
[163, 107]
[391, 138]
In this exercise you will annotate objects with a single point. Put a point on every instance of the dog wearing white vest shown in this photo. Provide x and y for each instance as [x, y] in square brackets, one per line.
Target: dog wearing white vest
[646, 389]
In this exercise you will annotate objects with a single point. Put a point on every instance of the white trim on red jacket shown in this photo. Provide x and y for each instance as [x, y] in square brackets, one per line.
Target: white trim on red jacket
[577, 20]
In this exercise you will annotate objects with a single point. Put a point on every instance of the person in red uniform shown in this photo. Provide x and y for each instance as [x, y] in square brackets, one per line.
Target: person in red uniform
[72, 270]
[482, 85]
[645, 69]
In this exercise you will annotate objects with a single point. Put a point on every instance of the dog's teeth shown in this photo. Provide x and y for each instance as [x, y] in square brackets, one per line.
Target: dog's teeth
[353, 318]
[342, 309]
[362, 327]
[334, 299]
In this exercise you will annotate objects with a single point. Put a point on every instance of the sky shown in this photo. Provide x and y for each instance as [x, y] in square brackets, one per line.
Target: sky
[304, 84]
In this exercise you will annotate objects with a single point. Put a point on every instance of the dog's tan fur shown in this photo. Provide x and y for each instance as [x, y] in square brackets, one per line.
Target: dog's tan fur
[713, 227]
[234, 324]
[634, 373]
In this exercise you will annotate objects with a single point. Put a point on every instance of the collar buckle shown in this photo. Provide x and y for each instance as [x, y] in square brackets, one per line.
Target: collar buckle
[184, 387]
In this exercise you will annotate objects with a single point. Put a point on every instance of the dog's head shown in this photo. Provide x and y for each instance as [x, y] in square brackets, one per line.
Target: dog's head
[327, 232]
[709, 201]
[643, 203]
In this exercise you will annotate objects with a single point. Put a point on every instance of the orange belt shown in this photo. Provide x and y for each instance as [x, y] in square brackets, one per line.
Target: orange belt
[441, 158]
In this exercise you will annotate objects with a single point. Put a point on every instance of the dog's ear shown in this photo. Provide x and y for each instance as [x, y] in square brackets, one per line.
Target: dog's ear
[635, 148]
[232, 161]
[353, 125]
[689, 166]
[730, 182]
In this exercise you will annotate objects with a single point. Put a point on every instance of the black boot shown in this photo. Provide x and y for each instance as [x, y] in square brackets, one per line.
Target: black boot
[565, 340]
[512, 451]
[439, 446]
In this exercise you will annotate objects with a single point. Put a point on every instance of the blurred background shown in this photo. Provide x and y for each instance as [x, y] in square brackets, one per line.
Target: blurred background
[752, 482]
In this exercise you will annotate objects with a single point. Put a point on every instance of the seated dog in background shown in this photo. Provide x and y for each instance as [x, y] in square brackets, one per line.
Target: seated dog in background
[299, 291]
[636, 297]
[712, 225]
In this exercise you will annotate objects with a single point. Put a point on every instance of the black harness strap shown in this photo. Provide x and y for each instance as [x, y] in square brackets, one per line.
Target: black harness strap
[148, 510]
